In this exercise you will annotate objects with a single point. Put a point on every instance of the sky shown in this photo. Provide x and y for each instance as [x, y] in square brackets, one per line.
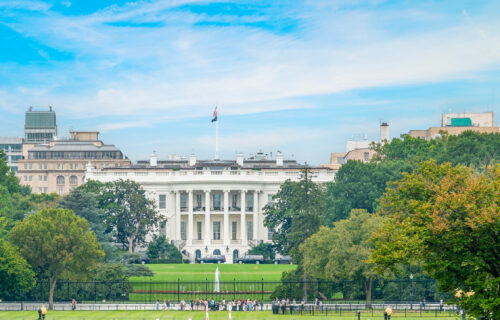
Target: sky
[301, 77]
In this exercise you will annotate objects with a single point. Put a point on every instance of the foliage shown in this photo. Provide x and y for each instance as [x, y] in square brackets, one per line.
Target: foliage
[109, 272]
[359, 185]
[85, 205]
[160, 248]
[468, 148]
[137, 270]
[15, 274]
[295, 214]
[127, 210]
[448, 218]
[341, 252]
[8, 178]
[58, 242]
[265, 249]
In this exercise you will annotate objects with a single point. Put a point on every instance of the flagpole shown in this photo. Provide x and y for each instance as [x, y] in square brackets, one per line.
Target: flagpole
[217, 139]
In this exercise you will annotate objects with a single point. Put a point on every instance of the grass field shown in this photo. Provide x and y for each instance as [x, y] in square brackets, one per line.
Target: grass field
[228, 272]
[198, 315]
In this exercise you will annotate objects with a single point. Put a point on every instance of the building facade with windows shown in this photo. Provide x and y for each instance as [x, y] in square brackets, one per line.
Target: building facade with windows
[212, 206]
[13, 149]
[60, 165]
[40, 125]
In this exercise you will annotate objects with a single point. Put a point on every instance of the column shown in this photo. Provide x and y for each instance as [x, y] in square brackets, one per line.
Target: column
[190, 235]
[243, 220]
[207, 237]
[256, 215]
[227, 236]
[177, 215]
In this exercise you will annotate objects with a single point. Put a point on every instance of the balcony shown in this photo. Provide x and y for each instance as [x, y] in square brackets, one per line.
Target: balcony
[234, 209]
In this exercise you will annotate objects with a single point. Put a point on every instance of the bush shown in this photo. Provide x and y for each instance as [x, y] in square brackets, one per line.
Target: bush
[138, 270]
[160, 248]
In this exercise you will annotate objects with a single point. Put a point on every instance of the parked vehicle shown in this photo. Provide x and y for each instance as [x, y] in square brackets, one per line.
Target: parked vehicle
[283, 260]
[257, 259]
[211, 259]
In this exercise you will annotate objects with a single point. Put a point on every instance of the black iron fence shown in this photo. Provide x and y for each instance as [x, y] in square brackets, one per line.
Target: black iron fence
[415, 293]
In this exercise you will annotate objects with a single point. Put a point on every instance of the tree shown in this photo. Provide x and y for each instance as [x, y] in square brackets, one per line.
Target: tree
[58, 242]
[264, 249]
[360, 185]
[340, 253]
[85, 205]
[160, 248]
[448, 218]
[16, 275]
[295, 214]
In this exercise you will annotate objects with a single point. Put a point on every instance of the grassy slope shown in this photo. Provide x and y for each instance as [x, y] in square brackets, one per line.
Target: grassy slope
[228, 272]
[164, 315]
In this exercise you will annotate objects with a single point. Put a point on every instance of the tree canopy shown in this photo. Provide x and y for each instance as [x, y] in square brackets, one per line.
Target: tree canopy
[449, 219]
[59, 243]
[16, 275]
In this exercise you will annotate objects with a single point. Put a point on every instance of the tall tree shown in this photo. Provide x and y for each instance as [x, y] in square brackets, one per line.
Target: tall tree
[295, 214]
[58, 242]
[16, 275]
[340, 253]
[449, 219]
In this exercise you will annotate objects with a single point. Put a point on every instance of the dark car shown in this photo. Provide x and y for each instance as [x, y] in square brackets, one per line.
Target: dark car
[212, 259]
[257, 259]
[283, 260]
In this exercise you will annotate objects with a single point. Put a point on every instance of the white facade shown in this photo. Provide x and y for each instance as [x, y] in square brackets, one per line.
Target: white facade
[485, 119]
[212, 207]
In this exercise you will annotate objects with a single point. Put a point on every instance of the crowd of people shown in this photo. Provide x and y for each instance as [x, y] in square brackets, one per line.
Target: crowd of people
[200, 304]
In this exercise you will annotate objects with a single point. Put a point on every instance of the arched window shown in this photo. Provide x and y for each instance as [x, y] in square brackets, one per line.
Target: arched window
[235, 255]
[60, 180]
[197, 254]
[217, 252]
[73, 180]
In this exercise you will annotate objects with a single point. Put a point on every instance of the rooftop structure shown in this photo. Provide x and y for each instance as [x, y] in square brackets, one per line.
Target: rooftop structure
[40, 125]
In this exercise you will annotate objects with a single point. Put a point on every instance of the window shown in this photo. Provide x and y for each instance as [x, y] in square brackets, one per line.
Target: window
[216, 230]
[183, 230]
[198, 201]
[250, 230]
[45, 189]
[217, 252]
[44, 178]
[183, 201]
[216, 201]
[197, 254]
[30, 178]
[234, 200]
[60, 190]
[235, 256]
[39, 190]
[45, 166]
[25, 166]
[31, 166]
[162, 199]
[60, 180]
[198, 230]
[366, 156]
[76, 166]
[234, 230]
[270, 198]
[25, 178]
[40, 178]
[73, 180]
[269, 234]
[249, 202]
[40, 166]
[58, 166]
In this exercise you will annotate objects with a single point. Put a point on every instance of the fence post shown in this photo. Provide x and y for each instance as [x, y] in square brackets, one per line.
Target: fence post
[178, 289]
[262, 290]
[234, 288]
[150, 290]
[206, 289]
[95, 292]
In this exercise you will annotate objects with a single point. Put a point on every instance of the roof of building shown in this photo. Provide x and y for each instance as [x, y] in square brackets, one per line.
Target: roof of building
[73, 146]
[40, 119]
[247, 164]
[11, 140]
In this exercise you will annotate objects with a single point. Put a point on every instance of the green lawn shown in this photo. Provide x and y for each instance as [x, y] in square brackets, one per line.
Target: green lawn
[198, 315]
[228, 272]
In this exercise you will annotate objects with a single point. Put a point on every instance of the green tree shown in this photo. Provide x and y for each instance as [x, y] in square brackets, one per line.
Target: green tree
[448, 218]
[16, 275]
[59, 243]
[295, 214]
[360, 185]
[341, 253]
[160, 248]
[264, 249]
[85, 205]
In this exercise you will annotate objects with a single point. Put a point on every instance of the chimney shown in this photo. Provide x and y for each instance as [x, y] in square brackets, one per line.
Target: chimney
[153, 160]
[279, 159]
[192, 159]
[89, 166]
[239, 159]
[384, 132]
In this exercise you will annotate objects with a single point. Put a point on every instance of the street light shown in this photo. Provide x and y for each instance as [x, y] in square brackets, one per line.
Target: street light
[411, 291]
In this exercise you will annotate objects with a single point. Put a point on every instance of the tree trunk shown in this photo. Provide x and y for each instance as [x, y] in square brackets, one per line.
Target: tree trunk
[131, 245]
[52, 284]
[368, 283]
[304, 284]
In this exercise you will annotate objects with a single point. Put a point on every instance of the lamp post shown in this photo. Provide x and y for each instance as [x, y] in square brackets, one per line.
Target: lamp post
[411, 291]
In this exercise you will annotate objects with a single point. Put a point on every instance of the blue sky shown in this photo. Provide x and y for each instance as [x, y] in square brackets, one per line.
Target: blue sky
[297, 76]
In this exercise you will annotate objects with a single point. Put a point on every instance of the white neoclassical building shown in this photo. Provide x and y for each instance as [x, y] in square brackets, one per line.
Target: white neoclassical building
[213, 206]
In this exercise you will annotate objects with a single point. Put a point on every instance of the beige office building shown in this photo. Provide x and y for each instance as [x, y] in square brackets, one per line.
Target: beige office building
[60, 165]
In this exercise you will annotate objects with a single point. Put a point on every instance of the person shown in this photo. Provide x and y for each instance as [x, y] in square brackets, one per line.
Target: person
[157, 305]
[168, 304]
[73, 304]
[164, 304]
[302, 304]
[261, 305]
[191, 304]
[441, 305]
[283, 305]
[39, 313]
[197, 303]
[388, 311]
[44, 312]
